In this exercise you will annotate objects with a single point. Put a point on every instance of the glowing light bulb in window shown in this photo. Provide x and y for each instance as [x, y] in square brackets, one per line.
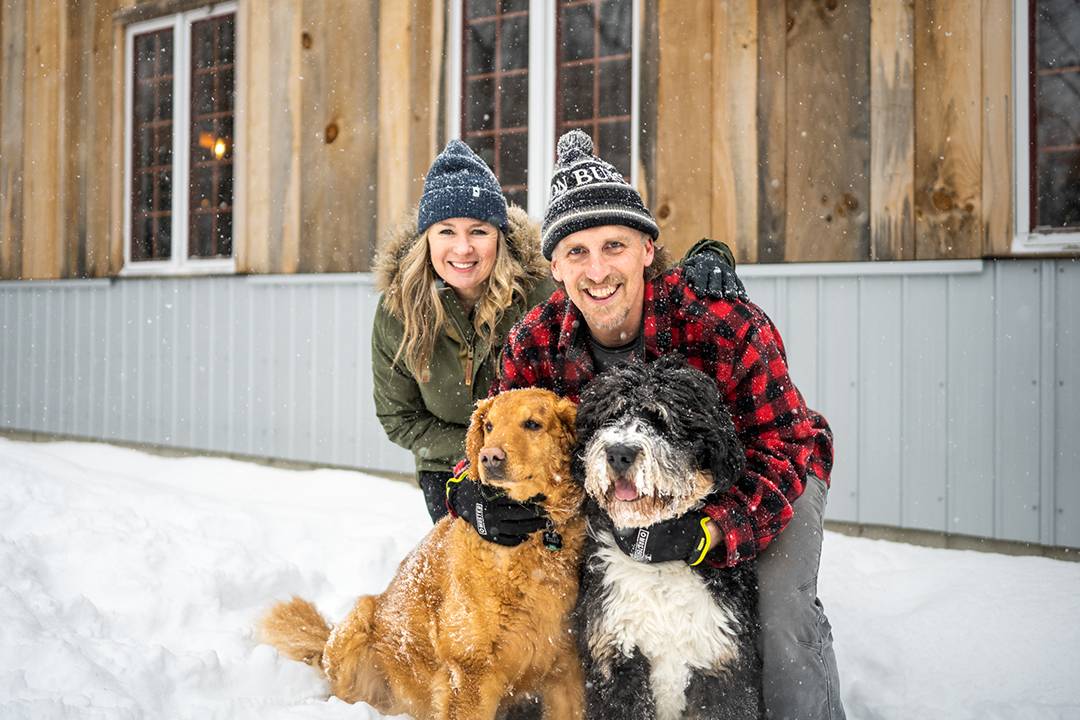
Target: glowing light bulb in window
[220, 148]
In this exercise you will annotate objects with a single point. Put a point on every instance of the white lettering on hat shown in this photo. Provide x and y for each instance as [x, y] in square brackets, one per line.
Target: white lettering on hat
[581, 175]
[558, 187]
[475, 191]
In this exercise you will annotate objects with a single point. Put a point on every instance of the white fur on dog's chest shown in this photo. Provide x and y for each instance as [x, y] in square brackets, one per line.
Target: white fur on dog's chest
[666, 612]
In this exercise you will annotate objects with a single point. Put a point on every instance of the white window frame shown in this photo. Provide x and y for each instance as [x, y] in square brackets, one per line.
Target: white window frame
[179, 263]
[542, 72]
[1025, 240]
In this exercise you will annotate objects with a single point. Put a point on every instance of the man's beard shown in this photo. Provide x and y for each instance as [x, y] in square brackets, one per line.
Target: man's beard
[606, 318]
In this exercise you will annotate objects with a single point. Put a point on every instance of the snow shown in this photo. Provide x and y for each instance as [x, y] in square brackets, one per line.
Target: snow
[130, 584]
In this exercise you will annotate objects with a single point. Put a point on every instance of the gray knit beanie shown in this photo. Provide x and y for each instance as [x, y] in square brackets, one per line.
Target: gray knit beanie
[460, 184]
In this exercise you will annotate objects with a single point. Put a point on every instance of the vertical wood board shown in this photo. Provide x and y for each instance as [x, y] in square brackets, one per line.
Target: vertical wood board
[892, 130]
[734, 114]
[828, 127]
[685, 107]
[948, 149]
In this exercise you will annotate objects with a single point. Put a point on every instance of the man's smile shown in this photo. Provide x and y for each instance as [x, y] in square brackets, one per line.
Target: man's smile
[600, 293]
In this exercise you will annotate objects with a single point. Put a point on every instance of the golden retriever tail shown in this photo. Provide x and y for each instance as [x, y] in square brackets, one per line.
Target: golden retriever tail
[297, 630]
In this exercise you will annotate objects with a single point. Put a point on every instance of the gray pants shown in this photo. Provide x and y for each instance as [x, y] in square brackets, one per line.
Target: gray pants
[799, 675]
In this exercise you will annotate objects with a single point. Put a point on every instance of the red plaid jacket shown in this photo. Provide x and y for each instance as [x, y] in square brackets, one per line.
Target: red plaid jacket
[733, 341]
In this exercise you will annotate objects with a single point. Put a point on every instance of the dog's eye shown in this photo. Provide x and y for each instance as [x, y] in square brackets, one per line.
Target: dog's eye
[531, 424]
[488, 426]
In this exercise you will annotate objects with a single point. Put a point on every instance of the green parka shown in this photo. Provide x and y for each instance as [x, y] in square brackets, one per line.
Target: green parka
[430, 419]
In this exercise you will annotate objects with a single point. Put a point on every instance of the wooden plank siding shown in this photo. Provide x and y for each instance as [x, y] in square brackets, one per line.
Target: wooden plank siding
[270, 165]
[997, 127]
[42, 161]
[948, 151]
[795, 130]
[772, 131]
[883, 129]
[892, 130]
[828, 131]
[684, 181]
[12, 83]
[734, 121]
[410, 48]
[339, 102]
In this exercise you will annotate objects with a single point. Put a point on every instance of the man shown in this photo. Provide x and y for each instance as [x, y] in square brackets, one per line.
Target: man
[615, 307]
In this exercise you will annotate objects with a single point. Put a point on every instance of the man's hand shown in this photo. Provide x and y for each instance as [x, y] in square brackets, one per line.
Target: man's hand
[710, 273]
[496, 517]
[686, 538]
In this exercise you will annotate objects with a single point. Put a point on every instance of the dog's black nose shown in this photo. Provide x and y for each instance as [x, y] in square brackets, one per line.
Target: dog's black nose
[620, 457]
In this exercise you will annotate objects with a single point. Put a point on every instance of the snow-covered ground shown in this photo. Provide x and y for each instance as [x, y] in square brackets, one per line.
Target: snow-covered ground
[129, 585]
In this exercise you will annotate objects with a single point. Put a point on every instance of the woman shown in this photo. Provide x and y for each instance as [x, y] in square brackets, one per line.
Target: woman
[455, 278]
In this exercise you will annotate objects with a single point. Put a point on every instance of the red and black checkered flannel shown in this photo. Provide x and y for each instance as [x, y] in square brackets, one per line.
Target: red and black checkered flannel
[734, 342]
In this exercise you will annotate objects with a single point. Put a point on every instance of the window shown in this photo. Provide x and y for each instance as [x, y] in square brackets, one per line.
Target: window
[1048, 124]
[180, 142]
[526, 72]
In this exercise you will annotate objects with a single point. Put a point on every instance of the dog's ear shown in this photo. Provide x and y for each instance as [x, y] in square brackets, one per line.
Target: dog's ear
[727, 458]
[566, 411]
[474, 436]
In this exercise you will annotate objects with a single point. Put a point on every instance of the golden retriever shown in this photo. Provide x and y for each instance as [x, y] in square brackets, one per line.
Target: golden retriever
[467, 625]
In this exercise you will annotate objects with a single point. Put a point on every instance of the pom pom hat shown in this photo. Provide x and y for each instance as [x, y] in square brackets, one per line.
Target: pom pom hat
[460, 184]
[588, 192]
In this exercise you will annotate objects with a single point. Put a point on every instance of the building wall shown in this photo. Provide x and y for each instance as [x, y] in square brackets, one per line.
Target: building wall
[953, 390]
[795, 130]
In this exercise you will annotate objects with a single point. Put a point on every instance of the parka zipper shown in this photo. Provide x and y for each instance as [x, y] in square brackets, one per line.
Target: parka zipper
[468, 366]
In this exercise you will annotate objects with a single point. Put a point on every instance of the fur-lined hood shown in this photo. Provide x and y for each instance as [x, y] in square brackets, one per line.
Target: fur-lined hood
[523, 240]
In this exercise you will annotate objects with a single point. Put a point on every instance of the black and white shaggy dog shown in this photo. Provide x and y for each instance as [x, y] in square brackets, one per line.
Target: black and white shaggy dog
[661, 640]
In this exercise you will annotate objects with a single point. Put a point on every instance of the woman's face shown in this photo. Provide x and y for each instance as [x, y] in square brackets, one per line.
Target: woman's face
[463, 254]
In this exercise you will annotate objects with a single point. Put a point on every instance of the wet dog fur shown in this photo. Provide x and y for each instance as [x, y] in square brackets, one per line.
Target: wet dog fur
[660, 641]
[466, 625]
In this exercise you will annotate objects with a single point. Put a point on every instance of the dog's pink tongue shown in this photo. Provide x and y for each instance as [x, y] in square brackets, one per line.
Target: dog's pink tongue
[625, 490]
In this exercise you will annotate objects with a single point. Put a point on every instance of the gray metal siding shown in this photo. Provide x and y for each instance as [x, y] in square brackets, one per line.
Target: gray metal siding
[266, 367]
[954, 396]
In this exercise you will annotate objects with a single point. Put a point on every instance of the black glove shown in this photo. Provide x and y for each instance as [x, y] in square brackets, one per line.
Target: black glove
[496, 517]
[710, 273]
[683, 538]
[433, 485]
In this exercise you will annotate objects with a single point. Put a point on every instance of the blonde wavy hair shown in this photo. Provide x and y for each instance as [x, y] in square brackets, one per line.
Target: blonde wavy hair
[416, 302]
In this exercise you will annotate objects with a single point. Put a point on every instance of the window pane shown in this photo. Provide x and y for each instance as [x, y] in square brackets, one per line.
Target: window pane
[615, 88]
[151, 145]
[495, 87]
[513, 151]
[1059, 190]
[614, 145]
[479, 8]
[514, 45]
[515, 101]
[615, 29]
[211, 151]
[1056, 100]
[578, 30]
[577, 92]
[1058, 23]
[480, 48]
[163, 181]
[594, 61]
[480, 105]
